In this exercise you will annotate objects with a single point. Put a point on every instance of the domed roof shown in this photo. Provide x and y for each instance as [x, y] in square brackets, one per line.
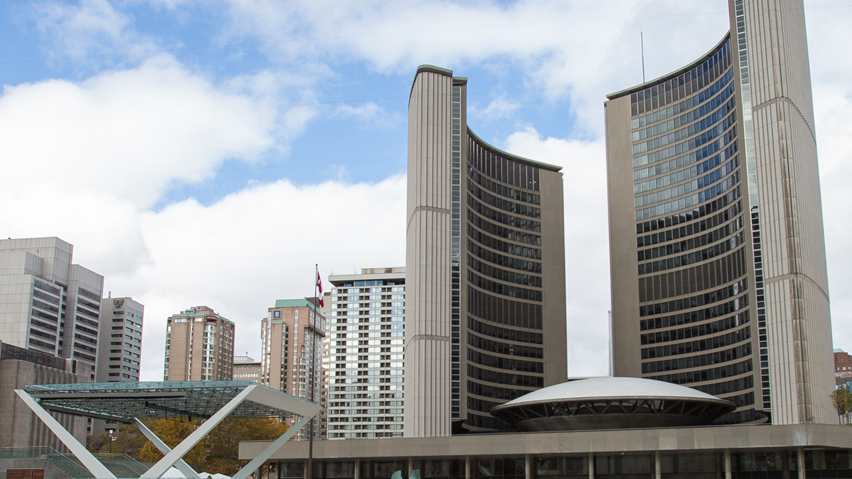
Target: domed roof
[608, 402]
[611, 388]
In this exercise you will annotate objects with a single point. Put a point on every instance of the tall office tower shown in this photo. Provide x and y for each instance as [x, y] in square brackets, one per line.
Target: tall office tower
[485, 268]
[48, 304]
[291, 353]
[717, 249]
[199, 346]
[121, 340]
[365, 372]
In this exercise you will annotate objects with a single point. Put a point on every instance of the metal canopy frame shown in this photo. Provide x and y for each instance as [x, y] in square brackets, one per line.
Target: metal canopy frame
[126, 402]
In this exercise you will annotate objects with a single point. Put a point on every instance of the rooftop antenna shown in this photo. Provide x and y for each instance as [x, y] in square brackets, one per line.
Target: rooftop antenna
[642, 46]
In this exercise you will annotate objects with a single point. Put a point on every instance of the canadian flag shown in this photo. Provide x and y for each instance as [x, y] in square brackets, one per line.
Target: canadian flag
[319, 288]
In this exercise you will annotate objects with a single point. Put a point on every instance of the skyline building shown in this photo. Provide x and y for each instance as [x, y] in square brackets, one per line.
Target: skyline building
[485, 268]
[365, 354]
[121, 340]
[48, 303]
[199, 346]
[717, 249]
[246, 368]
[290, 335]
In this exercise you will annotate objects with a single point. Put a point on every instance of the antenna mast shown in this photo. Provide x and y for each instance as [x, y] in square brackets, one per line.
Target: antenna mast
[642, 46]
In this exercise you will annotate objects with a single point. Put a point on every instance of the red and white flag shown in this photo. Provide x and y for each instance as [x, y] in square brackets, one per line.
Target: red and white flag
[319, 288]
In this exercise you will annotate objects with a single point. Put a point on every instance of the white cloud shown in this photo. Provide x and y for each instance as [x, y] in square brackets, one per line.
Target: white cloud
[831, 78]
[565, 49]
[498, 108]
[260, 244]
[91, 28]
[129, 133]
[367, 113]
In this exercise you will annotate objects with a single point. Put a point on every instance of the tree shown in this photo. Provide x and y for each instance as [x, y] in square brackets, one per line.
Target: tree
[842, 400]
[216, 453]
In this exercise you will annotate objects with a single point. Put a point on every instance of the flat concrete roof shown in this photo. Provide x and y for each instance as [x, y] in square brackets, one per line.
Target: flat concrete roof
[694, 439]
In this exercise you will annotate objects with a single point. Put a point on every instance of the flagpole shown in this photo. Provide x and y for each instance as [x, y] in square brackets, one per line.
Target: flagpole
[313, 372]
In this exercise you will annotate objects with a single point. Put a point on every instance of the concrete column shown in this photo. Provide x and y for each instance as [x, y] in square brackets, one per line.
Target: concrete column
[467, 467]
[727, 464]
[591, 465]
[658, 473]
[800, 453]
[528, 467]
[410, 466]
[357, 468]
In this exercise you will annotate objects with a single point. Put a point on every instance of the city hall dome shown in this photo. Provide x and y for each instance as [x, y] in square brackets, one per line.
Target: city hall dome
[611, 403]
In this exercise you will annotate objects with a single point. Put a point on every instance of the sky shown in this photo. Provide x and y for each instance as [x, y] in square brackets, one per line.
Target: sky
[213, 152]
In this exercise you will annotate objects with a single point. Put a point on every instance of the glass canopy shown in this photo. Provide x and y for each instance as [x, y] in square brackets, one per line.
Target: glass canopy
[122, 402]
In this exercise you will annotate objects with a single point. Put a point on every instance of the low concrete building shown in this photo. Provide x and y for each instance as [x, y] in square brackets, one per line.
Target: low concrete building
[710, 452]
[19, 427]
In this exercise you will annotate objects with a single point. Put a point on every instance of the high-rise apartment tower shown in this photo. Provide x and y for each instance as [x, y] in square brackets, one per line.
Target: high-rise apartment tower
[485, 268]
[121, 340]
[199, 346]
[365, 354]
[717, 250]
[291, 351]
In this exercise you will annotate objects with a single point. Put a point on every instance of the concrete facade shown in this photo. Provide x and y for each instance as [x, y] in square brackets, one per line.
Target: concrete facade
[199, 346]
[683, 453]
[22, 428]
[717, 251]
[290, 335]
[366, 387]
[49, 304]
[485, 268]
[246, 369]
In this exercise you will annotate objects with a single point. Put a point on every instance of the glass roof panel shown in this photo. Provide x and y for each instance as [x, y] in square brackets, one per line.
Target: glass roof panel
[125, 401]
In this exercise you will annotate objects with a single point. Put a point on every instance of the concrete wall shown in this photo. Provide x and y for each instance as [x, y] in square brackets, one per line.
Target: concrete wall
[20, 426]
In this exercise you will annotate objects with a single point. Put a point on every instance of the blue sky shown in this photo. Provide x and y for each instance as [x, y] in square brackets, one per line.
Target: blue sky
[212, 152]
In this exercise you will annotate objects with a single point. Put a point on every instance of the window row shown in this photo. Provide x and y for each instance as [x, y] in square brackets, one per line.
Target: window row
[692, 243]
[509, 379]
[689, 186]
[672, 151]
[696, 331]
[502, 203]
[721, 372]
[501, 169]
[689, 201]
[693, 228]
[503, 232]
[692, 258]
[494, 243]
[500, 217]
[503, 311]
[505, 261]
[503, 275]
[714, 124]
[505, 363]
[504, 348]
[684, 216]
[696, 316]
[502, 289]
[690, 347]
[692, 280]
[698, 361]
[681, 85]
[504, 333]
[503, 190]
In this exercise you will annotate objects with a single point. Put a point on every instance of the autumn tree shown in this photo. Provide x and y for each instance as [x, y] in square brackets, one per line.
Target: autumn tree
[841, 398]
[216, 453]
